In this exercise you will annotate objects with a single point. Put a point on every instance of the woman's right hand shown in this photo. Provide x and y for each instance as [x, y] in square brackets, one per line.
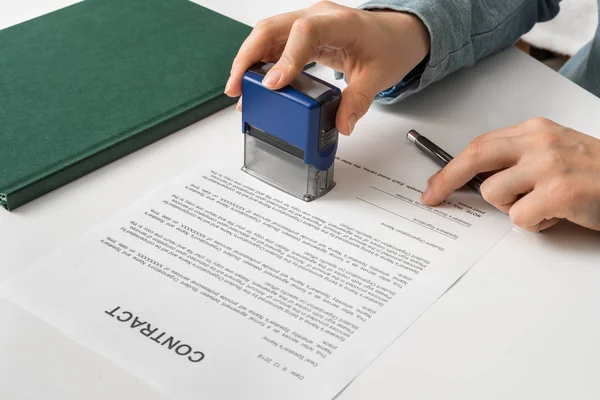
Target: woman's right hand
[374, 49]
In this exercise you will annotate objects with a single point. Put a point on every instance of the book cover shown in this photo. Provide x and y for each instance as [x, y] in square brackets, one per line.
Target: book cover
[93, 82]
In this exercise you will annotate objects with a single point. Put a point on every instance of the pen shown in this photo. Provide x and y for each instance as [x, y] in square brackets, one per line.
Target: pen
[438, 155]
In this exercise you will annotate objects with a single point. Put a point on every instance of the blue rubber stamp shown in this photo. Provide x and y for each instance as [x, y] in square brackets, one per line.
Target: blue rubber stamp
[290, 138]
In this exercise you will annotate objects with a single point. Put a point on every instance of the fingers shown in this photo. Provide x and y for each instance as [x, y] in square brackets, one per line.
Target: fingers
[479, 156]
[274, 53]
[512, 134]
[504, 188]
[535, 211]
[267, 34]
[294, 39]
[511, 131]
[544, 174]
[548, 223]
[301, 44]
[356, 100]
[302, 32]
[306, 36]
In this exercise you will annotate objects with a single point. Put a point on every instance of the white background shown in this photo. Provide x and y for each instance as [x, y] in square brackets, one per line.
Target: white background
[523, 323]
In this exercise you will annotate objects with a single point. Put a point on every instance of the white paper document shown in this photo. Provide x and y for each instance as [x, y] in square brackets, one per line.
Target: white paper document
[217, 286]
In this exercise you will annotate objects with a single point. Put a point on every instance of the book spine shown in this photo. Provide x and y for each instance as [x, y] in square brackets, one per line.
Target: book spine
[113, 152]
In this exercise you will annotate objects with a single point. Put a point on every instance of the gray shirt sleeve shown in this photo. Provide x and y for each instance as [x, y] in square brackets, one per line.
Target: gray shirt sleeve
[462, 32]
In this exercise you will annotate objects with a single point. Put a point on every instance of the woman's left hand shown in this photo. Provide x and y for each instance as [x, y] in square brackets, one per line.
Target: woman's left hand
[547, 173]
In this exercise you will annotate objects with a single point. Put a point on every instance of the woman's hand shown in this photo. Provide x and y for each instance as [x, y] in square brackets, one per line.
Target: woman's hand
[547, 173]
[375, 50]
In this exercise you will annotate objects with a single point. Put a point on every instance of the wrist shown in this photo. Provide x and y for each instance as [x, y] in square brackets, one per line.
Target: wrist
[409, 33]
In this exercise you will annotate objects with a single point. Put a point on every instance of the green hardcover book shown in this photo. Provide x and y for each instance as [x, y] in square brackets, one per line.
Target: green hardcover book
[93, 82]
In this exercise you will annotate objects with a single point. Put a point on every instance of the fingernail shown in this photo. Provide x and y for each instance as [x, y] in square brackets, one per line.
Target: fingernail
[545, 224]
[426, 195]
[351, 123]
[239, 105]
[227, 86]
[273, 76]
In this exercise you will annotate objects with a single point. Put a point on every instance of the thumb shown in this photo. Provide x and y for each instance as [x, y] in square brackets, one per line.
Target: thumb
[356, 100]
[298, 50]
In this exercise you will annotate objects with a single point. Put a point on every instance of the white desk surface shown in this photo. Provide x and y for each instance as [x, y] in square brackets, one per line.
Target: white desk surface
[523, 323]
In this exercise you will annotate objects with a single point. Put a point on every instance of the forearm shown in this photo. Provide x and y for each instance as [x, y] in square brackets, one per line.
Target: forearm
[462, 32]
